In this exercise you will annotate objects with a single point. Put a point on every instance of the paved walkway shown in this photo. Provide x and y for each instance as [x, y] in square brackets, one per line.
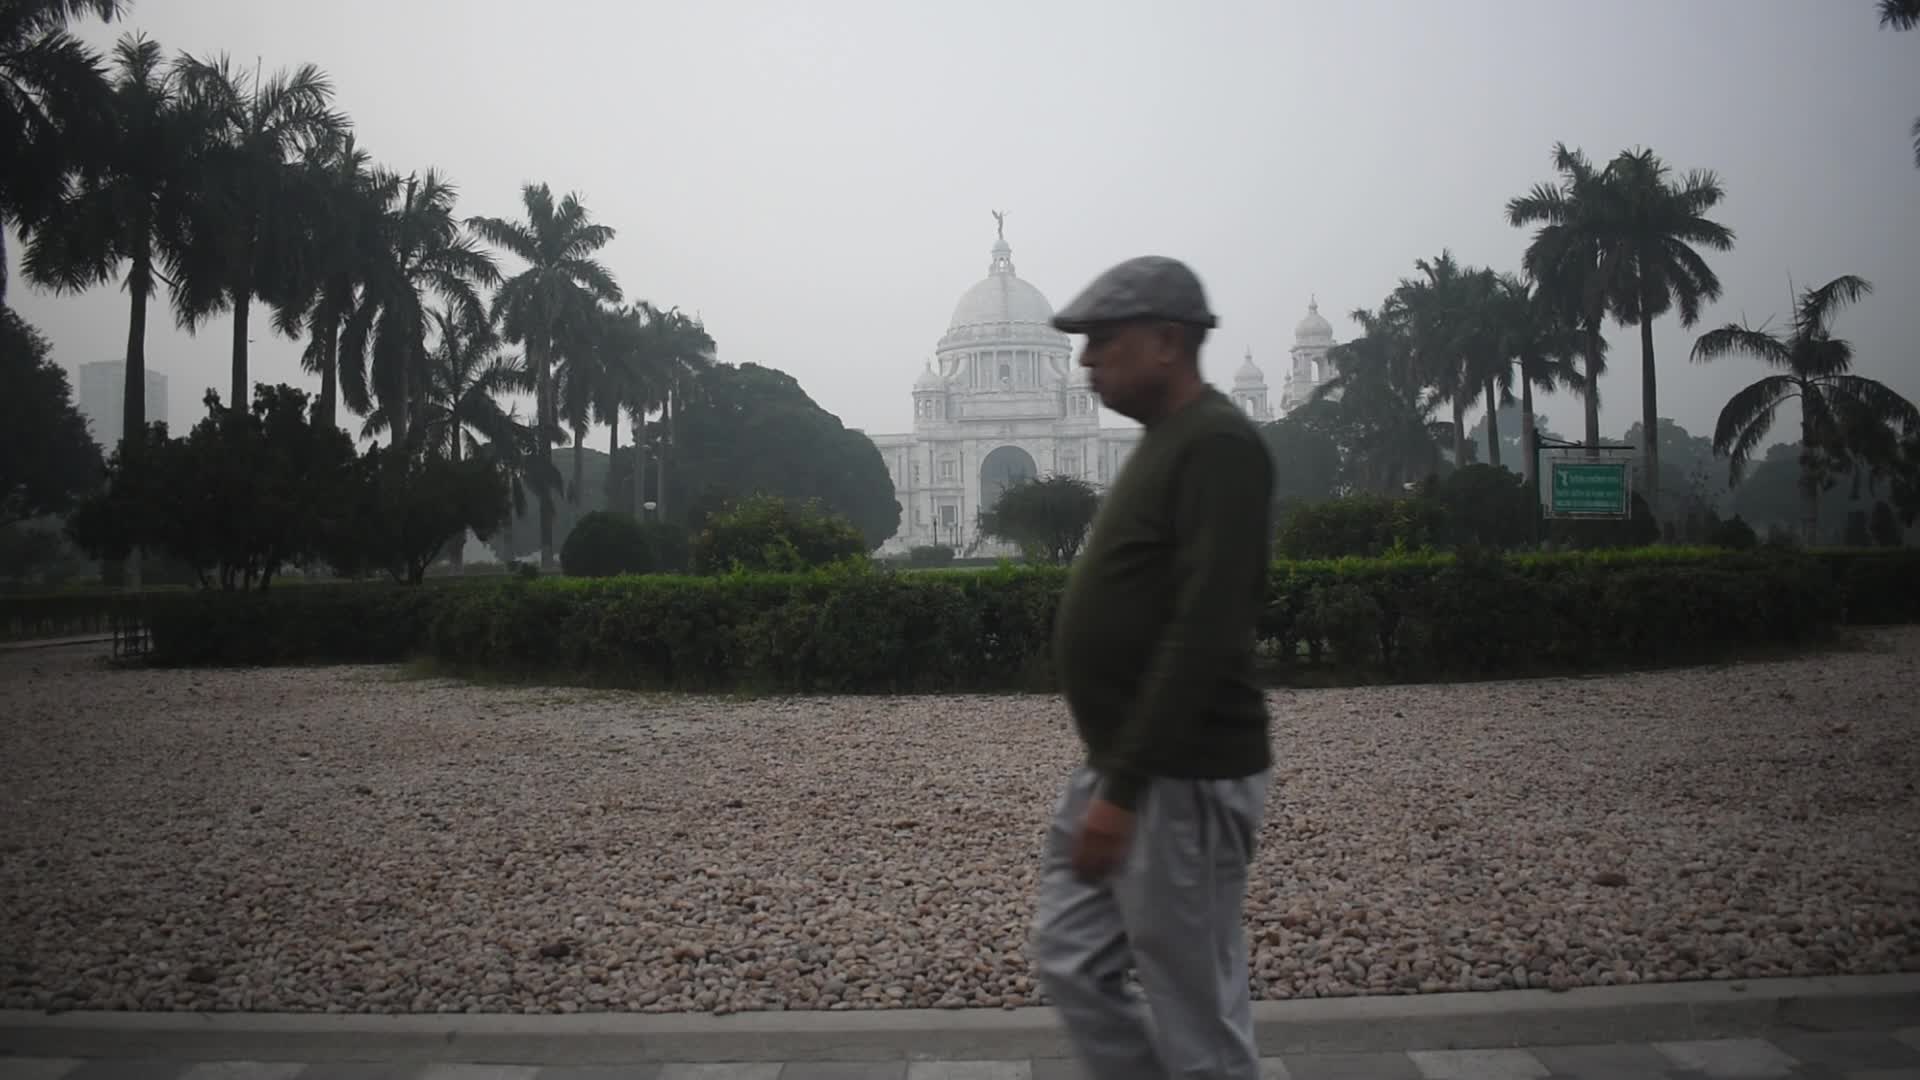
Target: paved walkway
[1827, 1056]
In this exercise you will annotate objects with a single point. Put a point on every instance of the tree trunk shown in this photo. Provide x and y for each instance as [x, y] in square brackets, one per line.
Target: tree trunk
[660, 463]
[1809, 485]
[458, 556]
[400, 414]
[1493, 426]
[579, 464]
[1460, 430]
[542, 407]
[640, 464]
[329, 372]
[242, 305]
[1530, 464]
[133, 395]
[1649, 415]
[1592, 394]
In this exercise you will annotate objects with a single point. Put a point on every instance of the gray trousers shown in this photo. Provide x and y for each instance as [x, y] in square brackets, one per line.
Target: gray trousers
[1172, 913]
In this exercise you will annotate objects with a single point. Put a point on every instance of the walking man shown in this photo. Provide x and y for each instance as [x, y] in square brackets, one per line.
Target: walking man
[1146, 859]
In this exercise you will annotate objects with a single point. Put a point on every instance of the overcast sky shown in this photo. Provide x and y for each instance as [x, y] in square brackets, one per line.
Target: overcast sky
[816, 179]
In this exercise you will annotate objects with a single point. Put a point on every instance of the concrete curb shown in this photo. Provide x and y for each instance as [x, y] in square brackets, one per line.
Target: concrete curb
[1659, 1012]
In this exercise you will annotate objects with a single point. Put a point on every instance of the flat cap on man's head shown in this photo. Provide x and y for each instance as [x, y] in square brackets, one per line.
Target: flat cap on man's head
[1149, 287]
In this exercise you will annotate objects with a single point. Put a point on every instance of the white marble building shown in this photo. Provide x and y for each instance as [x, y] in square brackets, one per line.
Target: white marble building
[1003, 401]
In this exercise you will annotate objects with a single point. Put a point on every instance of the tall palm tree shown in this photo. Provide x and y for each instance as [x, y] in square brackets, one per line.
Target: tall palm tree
[1571, 263]
[128, 212]
[1542, 346]
[383, 347]
[343, 202]
[1435, 310]
[246, 245]
[459, 409]
[1658, 224]
[55, 107]
[557, 241]
[1815, 368]
[681, 350]
[1903, 15]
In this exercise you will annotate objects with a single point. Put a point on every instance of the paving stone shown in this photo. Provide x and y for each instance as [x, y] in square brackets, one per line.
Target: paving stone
[841, 1070]
[105, 1069]
[36, 1068]
[1729, 1059]
[970, 1070]
[242, 1070]
[463, 1071]
[1618, 1061]
[1351, 1067]
[366, 1070]
[1882, 1074]
[1059, 1069]
[1850, 1050]
[1478, 1065]
[596, 1072]
[1274, 1069]
[739, 1070]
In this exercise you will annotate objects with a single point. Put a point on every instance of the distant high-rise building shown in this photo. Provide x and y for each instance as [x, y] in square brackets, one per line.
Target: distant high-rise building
[102, 403]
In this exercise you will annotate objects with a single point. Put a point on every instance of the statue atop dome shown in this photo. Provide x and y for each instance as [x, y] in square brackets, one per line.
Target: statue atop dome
[999, 222]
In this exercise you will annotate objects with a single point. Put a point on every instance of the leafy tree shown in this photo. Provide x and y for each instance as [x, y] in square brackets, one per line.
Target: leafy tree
[562, 281]
[750, 430]
[55, 108]
[130, 210]
[407, 508]
[244, 494]
[766, 532]
[1306, 460]
[47, 458]
[1884, 527]
[243, 243]
[1376, 408]
[342, 204]
[1814, 368]
[1047, 518]
[1485, 506]
[1366, 525]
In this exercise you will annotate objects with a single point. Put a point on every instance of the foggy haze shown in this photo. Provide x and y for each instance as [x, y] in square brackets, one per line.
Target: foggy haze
[815, 180]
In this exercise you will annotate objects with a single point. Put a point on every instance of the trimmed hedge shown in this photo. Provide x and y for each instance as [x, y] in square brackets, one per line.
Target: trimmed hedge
[864, 630]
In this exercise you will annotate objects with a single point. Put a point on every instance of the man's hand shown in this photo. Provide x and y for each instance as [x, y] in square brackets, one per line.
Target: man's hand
[1105, 835]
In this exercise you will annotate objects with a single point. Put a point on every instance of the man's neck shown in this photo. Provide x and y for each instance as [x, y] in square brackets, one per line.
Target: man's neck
[1179, 395]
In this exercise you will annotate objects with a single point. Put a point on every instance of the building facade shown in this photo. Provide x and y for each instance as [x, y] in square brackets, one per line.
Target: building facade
[102, 400]
[1003, 401]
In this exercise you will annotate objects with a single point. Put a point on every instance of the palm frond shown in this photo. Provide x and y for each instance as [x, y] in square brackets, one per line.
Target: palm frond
[1748, 416]
[1734, 339]
[1817, 307]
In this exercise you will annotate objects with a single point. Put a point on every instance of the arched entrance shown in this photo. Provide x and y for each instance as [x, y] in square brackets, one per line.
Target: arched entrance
[1002, 469]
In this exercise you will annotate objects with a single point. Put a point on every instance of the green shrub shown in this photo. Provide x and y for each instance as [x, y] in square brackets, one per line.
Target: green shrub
[603, 544]
[930, 555]
[1361, 525]
[850, 628]
[1734, 534]
[767, 533]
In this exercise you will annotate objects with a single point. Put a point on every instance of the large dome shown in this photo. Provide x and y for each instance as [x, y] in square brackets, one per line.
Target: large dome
[1001, 297]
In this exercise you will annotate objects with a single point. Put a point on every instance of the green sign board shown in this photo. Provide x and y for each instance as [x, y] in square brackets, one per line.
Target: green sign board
[1588, 489]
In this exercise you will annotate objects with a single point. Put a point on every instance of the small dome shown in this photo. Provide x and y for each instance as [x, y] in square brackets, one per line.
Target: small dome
[1313, 330]
[1249, 375]
[929, 380]
[1077, 376]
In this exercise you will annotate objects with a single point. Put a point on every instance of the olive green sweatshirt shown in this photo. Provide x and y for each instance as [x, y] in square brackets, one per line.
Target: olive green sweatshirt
[1154, 637]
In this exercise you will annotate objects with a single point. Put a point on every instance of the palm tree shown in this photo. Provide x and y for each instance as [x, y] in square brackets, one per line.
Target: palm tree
[557, 242]
[681, 349]
[422, 248]
[458, 410]
[1657, 224]
[1813, 367]
[1542, 346]
[1435, 310]
[1903, 15]
[55, 107]
[1571, 263]
[343, 203]
[128, 212]
[245, 243]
